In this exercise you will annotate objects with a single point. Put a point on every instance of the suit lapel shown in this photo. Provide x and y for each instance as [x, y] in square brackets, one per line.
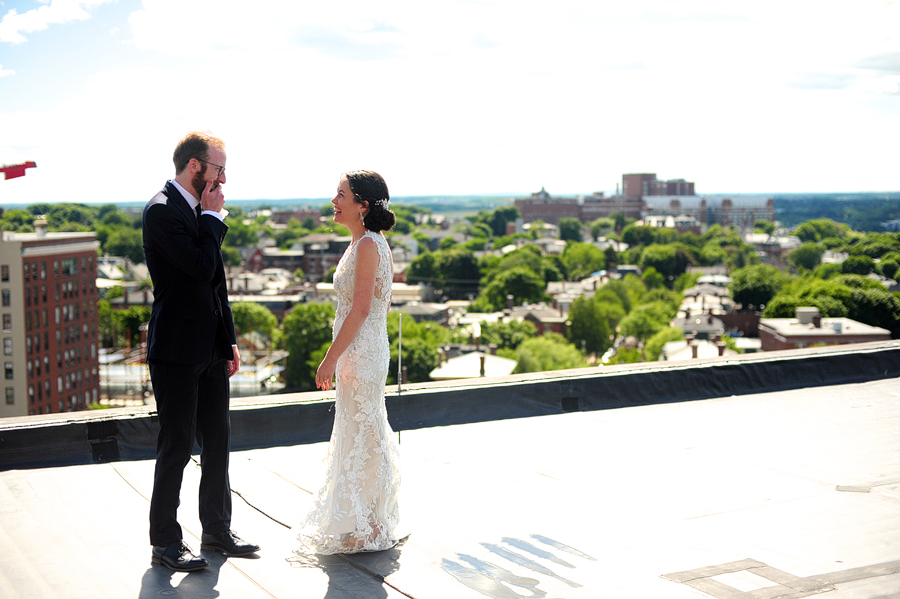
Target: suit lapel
[180, 204]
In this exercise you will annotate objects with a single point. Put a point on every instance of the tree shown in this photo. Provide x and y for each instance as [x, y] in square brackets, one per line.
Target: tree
[521, 282]
[672, 299]
[766, 226]
[686, 281]
[419, 359]
[550, 351]
[528, 256]
[669, 260]
[420, 347]
[827, 270]
[582, 259]
[230, 256]
[423, 269]
[654, 345]
[639, 235]
[807, 255]
[111, 215]
[712, 253]
[507, 335]
[128, 323]
[307, 328]
[646, 320]
[570, 229]
[627, 355]
[458, 272]
[653, 279]
[877, 308]
[818, 229]
[250, 316]
[602, 226]
[500, 216]
[127, 243]
[858, 265]
[60, 214]
[591, 328]
[753, 286]
[889, 268]
[17, 220]
[612, 257]
[241, 234]
[294, 231]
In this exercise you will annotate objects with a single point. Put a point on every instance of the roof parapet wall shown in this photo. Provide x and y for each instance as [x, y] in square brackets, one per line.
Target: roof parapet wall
[301, 418]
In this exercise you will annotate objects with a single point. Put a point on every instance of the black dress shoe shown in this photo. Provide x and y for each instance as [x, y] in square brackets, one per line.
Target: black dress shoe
[177, 556]
[228, 543]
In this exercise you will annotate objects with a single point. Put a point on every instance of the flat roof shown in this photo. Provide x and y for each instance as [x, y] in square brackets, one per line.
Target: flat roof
[793, 328]
[787, 493]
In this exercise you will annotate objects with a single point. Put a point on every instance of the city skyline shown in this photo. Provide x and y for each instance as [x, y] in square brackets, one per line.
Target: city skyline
[450, 98]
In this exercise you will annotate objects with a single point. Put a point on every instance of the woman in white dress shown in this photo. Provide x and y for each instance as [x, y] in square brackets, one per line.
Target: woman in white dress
[356, 509]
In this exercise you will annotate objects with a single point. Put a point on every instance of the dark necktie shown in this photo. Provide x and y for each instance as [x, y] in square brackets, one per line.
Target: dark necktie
[198, 210]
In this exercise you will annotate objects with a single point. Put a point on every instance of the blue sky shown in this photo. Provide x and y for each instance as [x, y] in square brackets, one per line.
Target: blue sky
[451, 96]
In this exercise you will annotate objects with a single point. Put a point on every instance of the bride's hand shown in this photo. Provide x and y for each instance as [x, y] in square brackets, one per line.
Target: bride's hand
[324, 375]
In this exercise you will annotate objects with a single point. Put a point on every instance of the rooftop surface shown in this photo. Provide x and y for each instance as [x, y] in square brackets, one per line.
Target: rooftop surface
[786, 493]
[828, 327]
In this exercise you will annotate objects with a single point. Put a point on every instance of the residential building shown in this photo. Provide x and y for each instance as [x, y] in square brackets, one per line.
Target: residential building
[809, 329]
[426, 312]
[700, 326]
[472, 365]
[545, 318]
[315, 254]
[693, 349]
[49, 321]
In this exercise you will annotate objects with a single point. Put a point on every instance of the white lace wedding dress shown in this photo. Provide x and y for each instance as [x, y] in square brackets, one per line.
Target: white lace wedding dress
[357, 509]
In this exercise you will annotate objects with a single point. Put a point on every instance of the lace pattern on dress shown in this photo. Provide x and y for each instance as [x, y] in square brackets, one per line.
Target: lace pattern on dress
[357, 508]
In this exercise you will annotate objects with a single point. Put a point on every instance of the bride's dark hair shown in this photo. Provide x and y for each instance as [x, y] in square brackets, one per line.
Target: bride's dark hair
[369, 187]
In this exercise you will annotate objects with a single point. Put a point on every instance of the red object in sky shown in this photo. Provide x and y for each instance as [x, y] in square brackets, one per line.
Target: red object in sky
[12, 171]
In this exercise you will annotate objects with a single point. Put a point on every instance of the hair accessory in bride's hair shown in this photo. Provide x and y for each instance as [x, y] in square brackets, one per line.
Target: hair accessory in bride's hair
[383, 203]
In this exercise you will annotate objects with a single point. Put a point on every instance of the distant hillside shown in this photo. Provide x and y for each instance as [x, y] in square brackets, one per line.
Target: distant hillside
[862, 211]
[436, 204]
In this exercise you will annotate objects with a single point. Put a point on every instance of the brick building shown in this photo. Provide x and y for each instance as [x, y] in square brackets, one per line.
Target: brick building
[808, 329]
[739, 211]
[636, 185]
[49, 321]
[541, 206]
[283, 217]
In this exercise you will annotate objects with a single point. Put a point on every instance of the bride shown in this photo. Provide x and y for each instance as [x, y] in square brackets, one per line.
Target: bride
[356, 509]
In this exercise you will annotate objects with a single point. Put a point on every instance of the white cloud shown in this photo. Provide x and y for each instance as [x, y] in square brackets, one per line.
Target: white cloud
[14, 25]
[6, 72]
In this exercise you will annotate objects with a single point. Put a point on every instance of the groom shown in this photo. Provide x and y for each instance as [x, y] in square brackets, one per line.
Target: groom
[191, 351]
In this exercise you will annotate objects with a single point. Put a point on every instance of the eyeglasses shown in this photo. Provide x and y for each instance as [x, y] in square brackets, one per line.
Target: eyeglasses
[221, 168]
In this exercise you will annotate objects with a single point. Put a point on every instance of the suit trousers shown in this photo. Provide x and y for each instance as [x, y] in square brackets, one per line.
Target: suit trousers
[192, 402]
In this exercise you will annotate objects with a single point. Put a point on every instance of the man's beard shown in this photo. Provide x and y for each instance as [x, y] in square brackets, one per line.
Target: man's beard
[199, 181]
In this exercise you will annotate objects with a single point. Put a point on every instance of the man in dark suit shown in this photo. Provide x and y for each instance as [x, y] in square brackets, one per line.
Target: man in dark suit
[191, 350]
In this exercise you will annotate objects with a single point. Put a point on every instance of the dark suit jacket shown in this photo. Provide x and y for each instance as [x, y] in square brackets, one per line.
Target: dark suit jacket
[190, 319]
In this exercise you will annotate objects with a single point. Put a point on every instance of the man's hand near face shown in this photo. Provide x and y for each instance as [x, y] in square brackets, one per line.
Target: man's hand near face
[212, 197]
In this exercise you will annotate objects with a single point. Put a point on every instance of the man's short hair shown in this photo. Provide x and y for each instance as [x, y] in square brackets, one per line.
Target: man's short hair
[195, 144]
